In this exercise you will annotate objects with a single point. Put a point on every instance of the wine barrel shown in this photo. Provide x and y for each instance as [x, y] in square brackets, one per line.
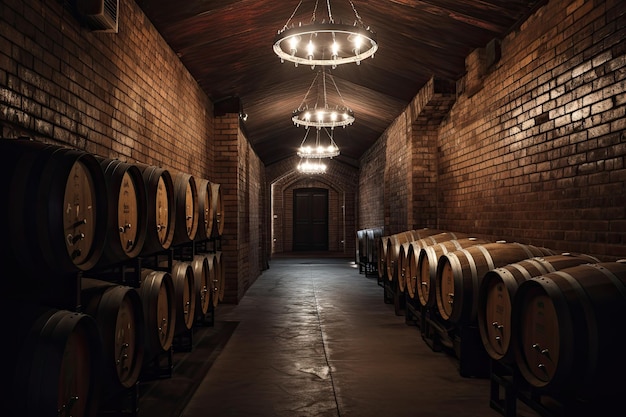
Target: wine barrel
[218, 209]
[187, 208]
[411, 249]
[460, 272]
[569, 334]
[221, 275]
[215, 278]
[184, 295]
[424, 282]
[52, 360]
[496, 293]
[372, 236]
[118, 312]
[56, 219]
[161, 212]
[394, 244]
[128, 211]
[360, 246]
[159, 310]
[202, 276]
[383, 243]
[205, 208]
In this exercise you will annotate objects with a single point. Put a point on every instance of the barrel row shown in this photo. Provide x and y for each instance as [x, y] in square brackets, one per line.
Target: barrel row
[74, 211]
[367, 249]
[77, 363]
[548, 316]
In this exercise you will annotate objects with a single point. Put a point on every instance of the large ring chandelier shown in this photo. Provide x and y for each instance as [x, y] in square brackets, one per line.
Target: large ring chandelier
[318, 149]
[326, 42]
[307, 166]
[322, 114]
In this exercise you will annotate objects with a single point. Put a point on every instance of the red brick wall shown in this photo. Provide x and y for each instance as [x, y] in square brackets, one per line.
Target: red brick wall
[124, 95]
[533, 148]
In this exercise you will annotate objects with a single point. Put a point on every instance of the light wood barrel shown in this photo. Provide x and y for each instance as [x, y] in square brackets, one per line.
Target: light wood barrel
[159, 311]
[184, 295]
[187, 207]
[57, 217]
[424, 282]
[569, 335]
[218, 209]
[118, 312]
[383, 244]
[202, 277]
[205, 209]
[394, 243]
[409, 251]
[496, 294]
[128, 212]
[460, 273]
[53, 363]
[161, 209]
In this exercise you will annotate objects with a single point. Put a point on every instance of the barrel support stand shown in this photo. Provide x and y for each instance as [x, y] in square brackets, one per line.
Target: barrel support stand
[183, 341]
[159, 367]
[502, 381]
[433, 331]
[123, 403]
[469, 349]
[208, 319]
[413, 312]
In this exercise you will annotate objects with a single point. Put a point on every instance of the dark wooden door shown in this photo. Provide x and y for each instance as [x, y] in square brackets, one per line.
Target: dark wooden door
[310, 219]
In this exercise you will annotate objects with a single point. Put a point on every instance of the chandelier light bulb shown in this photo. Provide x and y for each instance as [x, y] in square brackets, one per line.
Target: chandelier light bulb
[329, 38]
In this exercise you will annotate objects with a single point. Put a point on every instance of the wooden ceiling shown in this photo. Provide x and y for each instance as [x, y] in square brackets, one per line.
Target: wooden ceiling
[227, 47]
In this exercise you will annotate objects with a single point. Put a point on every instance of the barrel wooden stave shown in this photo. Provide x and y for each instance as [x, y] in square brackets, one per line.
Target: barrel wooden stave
[159, 309]
[205, 209]
[118, 312]
[459, 274]
[569, 338]
[202, 276]
[187, 207]
[426, 268]
[161, 209]
[218, 209]
[184, 295]
[496, 294]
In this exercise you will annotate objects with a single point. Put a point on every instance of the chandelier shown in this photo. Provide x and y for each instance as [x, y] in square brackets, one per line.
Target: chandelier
[318, 149]
[306, 166]
[326, 42]
[321, 114]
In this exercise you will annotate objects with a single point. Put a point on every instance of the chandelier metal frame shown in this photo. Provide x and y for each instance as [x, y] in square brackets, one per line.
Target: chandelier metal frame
[324, 115]
[318, 151]
[337, 43]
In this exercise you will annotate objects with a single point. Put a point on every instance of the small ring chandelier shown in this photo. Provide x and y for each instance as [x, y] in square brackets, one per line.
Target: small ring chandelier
[307, 167]
[325, 43]
[318, 150]
[323, 116]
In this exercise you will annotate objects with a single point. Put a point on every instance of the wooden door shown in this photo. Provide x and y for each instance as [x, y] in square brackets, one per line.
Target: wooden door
[310, 219]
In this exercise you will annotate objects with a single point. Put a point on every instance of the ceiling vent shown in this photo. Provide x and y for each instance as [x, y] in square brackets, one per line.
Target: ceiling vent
[101, 15]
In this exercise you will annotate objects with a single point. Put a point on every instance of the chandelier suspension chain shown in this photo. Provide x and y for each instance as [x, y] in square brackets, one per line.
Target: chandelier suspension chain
[330, 14]
[356, 14]
[292, 15]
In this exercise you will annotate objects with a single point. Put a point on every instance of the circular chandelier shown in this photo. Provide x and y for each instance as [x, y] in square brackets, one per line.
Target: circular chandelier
[307, 167]
[325, 43]
[318, 149]
[322, 114]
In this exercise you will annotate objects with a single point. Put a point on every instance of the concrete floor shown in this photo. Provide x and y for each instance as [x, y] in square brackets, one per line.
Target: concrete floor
[314, 337]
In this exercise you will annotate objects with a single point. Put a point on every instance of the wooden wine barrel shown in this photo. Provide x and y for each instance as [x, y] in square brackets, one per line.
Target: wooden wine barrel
[569, 334]
[360, 246]
[372, 236]
[459, 274]
[202, 276]
[57, 216]
[394, 244]
[411, 249]
[426, 268]
[187, 207]
[118, 312]
[218, 209]
[496, 294]
[221, 275]
[161, 212]
[128, 212]
[383, 244]
[52, 364]
[184, 295]
[215, 278]
[159, 311]
[205, 209]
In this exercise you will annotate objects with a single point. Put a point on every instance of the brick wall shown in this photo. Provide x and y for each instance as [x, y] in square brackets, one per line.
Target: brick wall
[532, 150]
[124, 95]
